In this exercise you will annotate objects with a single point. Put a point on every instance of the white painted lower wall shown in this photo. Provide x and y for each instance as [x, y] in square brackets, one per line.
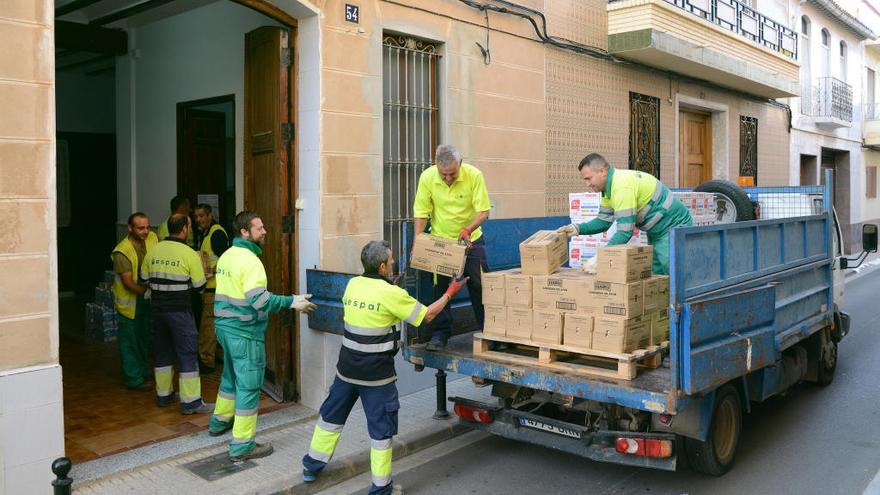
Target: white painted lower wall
[31, 428]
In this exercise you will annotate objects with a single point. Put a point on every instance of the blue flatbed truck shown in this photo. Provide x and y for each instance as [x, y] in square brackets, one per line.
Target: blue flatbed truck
[754, 310]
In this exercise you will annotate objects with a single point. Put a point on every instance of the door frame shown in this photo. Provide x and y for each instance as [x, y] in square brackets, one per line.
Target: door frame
[720, 137]
[708, 165]
[181, 111]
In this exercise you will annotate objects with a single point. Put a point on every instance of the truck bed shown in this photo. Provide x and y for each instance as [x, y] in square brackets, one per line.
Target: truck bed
[649, 391]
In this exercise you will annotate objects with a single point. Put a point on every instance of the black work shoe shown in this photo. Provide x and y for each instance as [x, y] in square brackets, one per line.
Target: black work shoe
[205, 408]
[220, 432]
[167, 400]
[261, 450]
[435, 345]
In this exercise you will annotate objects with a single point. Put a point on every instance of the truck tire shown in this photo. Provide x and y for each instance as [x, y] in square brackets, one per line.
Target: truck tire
[827, 359]
[731, 202]
[715, 456]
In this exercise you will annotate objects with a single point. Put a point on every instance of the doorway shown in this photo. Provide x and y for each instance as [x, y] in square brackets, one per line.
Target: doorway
[206, 154]
[837, 162]
[809, 172]
[695, 148]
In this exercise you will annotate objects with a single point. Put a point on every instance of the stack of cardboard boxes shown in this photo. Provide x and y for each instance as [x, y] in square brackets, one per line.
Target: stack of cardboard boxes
[584, 207]
[619, 309]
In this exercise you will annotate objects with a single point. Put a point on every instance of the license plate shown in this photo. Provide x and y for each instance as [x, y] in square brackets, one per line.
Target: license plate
[539, 425]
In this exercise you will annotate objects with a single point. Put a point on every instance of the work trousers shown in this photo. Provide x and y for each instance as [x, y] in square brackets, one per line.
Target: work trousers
[660, 244]
[474, 266]
[207, 336]
[380, 406]
[238, 400]
[175, 336]
[135, 337]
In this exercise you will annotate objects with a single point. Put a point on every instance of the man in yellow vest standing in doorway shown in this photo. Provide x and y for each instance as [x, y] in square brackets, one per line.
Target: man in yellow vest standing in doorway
[173, 269]
[179, 206]
[132, 309]
[213, 242]
[241, 307]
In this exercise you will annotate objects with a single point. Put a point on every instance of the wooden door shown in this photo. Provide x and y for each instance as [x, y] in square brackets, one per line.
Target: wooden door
[201, 158]
[695, 149]
[269, 185]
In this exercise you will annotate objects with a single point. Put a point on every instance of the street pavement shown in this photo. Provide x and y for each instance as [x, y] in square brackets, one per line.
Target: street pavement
[812, 440]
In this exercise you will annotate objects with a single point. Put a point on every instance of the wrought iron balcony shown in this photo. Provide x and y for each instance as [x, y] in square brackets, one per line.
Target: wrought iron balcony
[745, 21]
[828, 103]
[722, 41]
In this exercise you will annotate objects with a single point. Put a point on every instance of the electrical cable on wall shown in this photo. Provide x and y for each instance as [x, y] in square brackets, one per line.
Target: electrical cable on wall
[541, 31]
[487, 55]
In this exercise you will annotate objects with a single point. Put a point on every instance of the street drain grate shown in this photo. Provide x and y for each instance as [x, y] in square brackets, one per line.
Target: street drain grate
[217, 466]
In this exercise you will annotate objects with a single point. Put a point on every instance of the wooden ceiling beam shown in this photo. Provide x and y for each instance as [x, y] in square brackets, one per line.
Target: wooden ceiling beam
[87, 38]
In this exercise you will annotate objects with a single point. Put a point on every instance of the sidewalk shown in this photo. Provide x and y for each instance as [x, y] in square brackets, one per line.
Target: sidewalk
[282, 472]
[871, 264]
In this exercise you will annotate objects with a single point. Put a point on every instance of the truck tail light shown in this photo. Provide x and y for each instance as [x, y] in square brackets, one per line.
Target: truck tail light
[645, 447]
[469, 413]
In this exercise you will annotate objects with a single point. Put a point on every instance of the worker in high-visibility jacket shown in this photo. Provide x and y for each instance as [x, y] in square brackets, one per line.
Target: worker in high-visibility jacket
[132, 308]
[213, 242]
[633, 199]
[241, 309]
[452, 196]
[173, 269]
[373, 307]
[179, 206]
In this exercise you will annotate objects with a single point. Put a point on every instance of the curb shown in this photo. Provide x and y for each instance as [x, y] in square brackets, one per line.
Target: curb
[358, 463]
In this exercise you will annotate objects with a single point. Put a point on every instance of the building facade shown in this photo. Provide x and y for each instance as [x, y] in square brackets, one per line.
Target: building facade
[326, 112]
[827, 118]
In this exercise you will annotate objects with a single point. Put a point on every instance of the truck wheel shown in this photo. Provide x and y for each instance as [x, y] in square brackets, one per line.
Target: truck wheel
[715, 455]
[827, 359]
[731, 202]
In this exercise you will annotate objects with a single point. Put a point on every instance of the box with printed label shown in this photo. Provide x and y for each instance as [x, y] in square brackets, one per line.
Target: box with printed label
[565, 290]
[543, 252]
[496, 320]
[607, 298]
[519, 323]
[517, 289]
[583, 207]
[493, 287]
[661, 295]
[437, 255]
[547, 327]
[659, 326]
[577, 330]
[618, 334]
[624, 264]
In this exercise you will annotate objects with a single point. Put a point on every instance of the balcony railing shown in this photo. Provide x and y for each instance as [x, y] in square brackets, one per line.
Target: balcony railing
[743, 20]
[829, 98]
[871, 111]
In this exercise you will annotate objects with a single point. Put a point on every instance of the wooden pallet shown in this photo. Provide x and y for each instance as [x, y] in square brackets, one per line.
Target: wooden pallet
[549, 357]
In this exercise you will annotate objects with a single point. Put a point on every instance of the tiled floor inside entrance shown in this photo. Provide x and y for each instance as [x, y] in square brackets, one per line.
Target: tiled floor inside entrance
[102, 417]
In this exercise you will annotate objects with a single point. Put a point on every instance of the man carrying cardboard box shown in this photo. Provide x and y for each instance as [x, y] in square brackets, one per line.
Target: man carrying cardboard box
[453, 195]
[633, 199]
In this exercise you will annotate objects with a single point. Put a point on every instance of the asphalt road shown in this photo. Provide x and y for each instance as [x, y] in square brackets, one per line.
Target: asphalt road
[811, 440]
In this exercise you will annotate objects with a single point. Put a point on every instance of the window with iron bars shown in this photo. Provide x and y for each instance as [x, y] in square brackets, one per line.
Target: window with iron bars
[409, 80]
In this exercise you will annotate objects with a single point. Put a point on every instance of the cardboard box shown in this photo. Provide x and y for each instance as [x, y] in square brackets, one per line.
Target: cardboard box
[547, 327]
[607, 298]
[519, 323]
[661, 294]
[543, 252]
[496, 320]
[659, 326]
[493, 288]
[577, 330]
[583, 207]
[437, 255]
[617, 334]
[624, 264]
[517, 289]
[565, 290]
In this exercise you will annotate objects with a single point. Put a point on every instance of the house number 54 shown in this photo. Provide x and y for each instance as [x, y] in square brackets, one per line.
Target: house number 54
[352, 13]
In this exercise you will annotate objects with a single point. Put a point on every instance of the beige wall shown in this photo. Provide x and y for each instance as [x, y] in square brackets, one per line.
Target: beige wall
[526, 119]
[28, 332]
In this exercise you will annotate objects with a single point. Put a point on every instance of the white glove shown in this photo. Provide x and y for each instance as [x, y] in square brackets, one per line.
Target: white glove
[589, 266]
[301, 303]
[571, 230]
